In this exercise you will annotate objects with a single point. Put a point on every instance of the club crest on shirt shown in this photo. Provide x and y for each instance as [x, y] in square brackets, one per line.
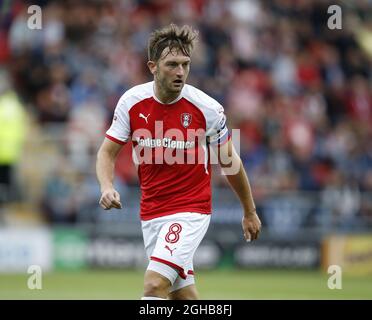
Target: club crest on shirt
[186, 119]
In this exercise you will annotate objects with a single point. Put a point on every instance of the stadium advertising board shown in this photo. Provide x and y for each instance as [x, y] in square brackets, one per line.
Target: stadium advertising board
[75, 249]
[208, 255]
[70, 246]
[21, 248]
[278, 254]
[353, 253]
[115, 252]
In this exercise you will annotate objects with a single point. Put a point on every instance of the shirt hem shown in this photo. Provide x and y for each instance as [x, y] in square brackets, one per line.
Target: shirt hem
[162, 214]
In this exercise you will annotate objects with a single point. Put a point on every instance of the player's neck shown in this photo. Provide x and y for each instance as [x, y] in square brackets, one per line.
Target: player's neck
[163, 96]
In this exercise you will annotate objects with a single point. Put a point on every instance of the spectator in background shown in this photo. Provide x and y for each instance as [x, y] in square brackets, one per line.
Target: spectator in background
[342, 201]
[12, 134]
[57, 202]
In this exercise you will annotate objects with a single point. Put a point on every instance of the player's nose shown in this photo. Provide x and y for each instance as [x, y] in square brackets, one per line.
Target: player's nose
[180, 71]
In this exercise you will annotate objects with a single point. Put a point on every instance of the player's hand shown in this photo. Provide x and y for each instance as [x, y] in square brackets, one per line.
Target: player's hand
[251, 226]
[110, 199]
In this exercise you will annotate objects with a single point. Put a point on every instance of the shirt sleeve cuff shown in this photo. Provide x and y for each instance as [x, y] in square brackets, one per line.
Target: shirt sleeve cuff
[115, 140]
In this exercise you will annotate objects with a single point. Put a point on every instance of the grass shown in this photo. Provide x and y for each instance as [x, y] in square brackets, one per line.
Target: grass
[219, 284]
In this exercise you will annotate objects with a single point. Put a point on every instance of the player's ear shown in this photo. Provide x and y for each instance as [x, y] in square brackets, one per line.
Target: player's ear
[152, 66]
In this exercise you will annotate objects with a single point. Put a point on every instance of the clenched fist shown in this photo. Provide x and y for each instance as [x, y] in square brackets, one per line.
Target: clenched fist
[110, 199]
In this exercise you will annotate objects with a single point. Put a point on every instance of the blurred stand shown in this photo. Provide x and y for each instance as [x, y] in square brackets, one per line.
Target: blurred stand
[299, 92]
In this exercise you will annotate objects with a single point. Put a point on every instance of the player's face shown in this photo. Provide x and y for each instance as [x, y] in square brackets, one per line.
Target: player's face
[172, 70]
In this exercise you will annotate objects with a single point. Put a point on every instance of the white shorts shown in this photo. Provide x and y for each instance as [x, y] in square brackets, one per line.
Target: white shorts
[170, 244]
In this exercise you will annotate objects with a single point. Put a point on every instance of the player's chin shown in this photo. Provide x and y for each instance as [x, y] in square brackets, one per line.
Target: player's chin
[176, 87]
[176, 90]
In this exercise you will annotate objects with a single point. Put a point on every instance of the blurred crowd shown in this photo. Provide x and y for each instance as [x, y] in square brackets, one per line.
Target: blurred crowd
[299, 92]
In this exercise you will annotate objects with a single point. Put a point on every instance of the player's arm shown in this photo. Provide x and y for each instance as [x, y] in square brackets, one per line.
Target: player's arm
[233, 168]
[105, 165]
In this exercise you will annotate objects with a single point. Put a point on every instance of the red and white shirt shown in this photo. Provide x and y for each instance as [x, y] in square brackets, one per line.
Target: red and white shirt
[162, 131]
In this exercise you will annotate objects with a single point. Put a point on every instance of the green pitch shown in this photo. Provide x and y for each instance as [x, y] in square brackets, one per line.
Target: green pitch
[223, 284]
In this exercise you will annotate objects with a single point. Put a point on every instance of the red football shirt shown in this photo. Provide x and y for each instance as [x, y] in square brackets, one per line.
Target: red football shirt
[170, 147]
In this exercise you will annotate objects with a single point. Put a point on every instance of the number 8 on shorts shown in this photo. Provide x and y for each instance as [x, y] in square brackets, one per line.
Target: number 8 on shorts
[173, 234]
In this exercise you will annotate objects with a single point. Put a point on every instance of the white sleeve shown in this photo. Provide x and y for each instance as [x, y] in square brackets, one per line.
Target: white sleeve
[120, 127]
[217, 131]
